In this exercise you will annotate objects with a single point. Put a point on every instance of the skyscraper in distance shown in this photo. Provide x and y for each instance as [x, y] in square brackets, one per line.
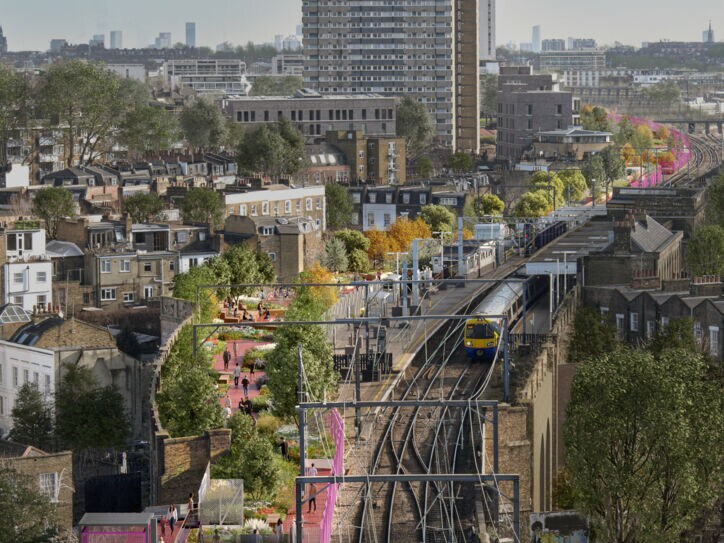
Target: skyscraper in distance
[536, 41]
[116, 39]
[191, 34]
[708, 35]
[487, 29]
[428, 51]
[3, 42]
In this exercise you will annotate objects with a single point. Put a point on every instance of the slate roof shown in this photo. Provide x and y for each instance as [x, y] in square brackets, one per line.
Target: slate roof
[651, 236]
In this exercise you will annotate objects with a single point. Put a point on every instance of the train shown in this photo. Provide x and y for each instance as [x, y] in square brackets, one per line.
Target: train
[483, 330]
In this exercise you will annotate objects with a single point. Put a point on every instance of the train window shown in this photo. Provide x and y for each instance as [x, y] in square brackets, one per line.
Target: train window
[478, 331]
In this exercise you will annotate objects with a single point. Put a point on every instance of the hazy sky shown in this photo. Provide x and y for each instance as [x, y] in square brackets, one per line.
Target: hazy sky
[30, 24]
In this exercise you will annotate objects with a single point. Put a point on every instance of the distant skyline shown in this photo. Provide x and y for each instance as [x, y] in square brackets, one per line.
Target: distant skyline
[33, 23]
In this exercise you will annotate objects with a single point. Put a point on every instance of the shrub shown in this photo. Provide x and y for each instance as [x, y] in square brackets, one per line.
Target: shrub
[264, 390]
[256, 524]
[268, 424]
[260, 403]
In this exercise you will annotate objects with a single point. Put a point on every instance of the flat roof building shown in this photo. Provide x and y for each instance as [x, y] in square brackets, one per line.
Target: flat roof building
[208, 75]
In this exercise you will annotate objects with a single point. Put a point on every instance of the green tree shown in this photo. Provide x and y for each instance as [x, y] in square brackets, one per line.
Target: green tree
[87, 415]
[335, 256]
[574, 185]
[14, 93]
[489, 95]
[32, 418]
[595, 118]
[251, 458]
[595, 174]
[276, 150]
[485, 204]
[52, 204]
[551, 184]
[677, 334]
[592, 336]
[353, 240]
[185, 286]
[644, 458]
[147, 128]
[358, 261]
[460, 162]
[532, 204]
[144, 208]
[319, 378]
[244, 267]
[202, 124]
[664, 94]
[87, 100]
[413, 124]
[339, 206]
[715, 201]
[31, 515]
[642, 138]
[705, 251]
[613, 165]
[424, 166]
[264, 264]
[204, 206]
[266, 85]
[624, 132]
[438, 218]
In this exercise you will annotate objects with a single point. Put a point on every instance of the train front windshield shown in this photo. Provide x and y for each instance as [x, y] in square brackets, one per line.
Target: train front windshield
[479, 331]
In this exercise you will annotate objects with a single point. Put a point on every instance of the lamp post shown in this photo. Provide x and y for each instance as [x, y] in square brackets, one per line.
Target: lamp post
[442, 234]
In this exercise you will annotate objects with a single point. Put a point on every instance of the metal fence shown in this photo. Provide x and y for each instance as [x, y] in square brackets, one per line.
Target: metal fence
[221, 501]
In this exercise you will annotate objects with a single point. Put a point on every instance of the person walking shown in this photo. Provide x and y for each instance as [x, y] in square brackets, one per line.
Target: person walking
[237, 373]
[312, 498]
[227, 357]
[245, 386]
[284, 449]
[253, 367]
[279, 530]
[172, 517]
[312, 471]
[227, 401]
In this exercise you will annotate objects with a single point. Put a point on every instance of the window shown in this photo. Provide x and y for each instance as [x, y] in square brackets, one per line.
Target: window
[242, 210]
[634, 322]
[559, 109]
[388, 198]
[265, 208]
[448, 201]
[18, 277]
[664, 322]
[15, 376]
[267, 230]
[18, 300]
[49, 485]
[388, 219]
[370, 219]
[128, 297]
[530, 109]
[650, 329]
[714, 340]
[373, 197]
[356, 197]
[193, 262]
[423, 199]
[619, 326]
[697, 332]
[147, 267]
[253, 210]
[288, 207]
[41, 300]
[26, 376]
[355, 219]
[36, 377]
[125, 265]
[148, 292]
[172, 265]
[272, 257]
[182, 236]
[308, 204]
[47, 384]
[202, 235]
[2, 405]
[108, 294]
[41, 277]
[319, 203]
[105, 266]
[405, 197]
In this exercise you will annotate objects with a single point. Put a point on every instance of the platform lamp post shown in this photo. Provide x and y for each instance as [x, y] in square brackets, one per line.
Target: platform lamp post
[397, 260]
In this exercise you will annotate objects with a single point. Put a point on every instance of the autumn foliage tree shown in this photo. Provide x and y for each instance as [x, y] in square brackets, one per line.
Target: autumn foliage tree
[404, 230]
[379, 245]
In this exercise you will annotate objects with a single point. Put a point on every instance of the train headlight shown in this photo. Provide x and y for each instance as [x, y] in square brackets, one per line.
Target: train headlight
[469, 343]
[491, 344]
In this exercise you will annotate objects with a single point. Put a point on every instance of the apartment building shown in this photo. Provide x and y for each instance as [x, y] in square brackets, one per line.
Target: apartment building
[381, 161]
[527, 104]
[314, 114]
[279, 201]
[207, 75]
[27, 271]
[429, 51]
[288, 64]
[560, 61]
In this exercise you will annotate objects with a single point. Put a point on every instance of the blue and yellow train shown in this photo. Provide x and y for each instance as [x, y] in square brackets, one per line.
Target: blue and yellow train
[484, 330]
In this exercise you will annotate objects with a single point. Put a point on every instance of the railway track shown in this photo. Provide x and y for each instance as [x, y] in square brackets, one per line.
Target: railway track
[419, 441]
[705, 156]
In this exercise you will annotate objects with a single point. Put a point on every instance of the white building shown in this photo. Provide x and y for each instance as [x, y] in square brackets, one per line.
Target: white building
[129, 71]
[223, 76]
[20, 364]
[28, 271]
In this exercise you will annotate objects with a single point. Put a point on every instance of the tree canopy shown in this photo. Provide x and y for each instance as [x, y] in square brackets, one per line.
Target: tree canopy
[247, 267]
[32, 418]
[88, 415]
[335, 255]
[532, 204]
[705, 251]
[30, 514]
[438, 218]
[144, 207]
[460, 162]
[13, 98]
[592, 336]
[52, 204]
[414, 124]
[594, 118]
[423, 166]
[644, 457]
[595, 174]
[147, 128]
[715, 201]
[339, 206]
[275, 150]
[202, 124]
[574, 184]
[203, 205]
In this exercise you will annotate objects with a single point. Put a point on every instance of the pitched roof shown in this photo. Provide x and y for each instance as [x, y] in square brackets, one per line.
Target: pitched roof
[55, 332]
[651, 236]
